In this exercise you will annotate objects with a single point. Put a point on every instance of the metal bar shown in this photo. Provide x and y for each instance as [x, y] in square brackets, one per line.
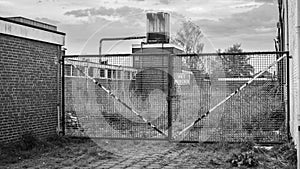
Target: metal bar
[121, 38]
[123, 103]
[288, 97]
[180, 55]
[120, 138]
[228, 97]
[242, 53]
[228, 142]
[170, 95]
[115, 66]
[91, 56]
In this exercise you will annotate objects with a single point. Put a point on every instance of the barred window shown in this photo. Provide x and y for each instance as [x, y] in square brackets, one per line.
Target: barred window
[91, 71]
[102, 72]
[114, 74]
[127, 75]
[109, 73]
[74, 71]
[119, 74]
[68, 70]
[82, 70]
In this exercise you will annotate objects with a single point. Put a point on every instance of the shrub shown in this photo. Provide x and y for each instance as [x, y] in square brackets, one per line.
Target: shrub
[28, 141]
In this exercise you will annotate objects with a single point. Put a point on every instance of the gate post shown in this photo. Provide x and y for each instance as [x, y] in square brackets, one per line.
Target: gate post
[288, 95]
[170, 95]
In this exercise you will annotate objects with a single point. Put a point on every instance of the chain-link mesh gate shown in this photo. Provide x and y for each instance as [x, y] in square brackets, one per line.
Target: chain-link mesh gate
[171, 91]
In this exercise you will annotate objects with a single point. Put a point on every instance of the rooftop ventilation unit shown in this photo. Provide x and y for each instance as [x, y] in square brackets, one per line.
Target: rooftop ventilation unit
[158, 27]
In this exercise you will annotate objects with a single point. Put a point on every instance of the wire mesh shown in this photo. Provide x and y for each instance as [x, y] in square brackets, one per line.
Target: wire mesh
[256, 113]
[171, 91]
[92, 112]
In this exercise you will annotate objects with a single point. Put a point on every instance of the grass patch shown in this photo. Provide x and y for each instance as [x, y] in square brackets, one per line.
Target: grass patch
[30, 146]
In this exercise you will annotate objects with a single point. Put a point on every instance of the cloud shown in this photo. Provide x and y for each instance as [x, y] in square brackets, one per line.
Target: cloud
[255, 29]
[247, 6]
[103, 11]
[164, 1]
[250, 22]
[267, 1]
[84, 37]
[6, 3]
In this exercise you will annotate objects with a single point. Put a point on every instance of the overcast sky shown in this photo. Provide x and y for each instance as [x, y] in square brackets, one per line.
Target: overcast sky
[223, 22]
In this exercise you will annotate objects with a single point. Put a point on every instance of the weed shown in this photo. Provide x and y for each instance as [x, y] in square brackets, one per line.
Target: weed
[287, 152]
[28, 141]
[243, 159]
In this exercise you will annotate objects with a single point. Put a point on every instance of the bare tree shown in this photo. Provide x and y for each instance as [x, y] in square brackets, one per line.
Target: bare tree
[189, 37]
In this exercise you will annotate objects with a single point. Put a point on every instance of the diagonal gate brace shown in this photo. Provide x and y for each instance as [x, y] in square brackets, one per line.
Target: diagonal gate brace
[228, 97]
[123, 103]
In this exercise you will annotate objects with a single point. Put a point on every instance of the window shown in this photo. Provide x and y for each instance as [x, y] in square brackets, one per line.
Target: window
[91, 71]
[127, 75]
[109, 73]
[114, 74]
[133, 75]
[82, 70]
[119, 74]
[68, 70]
[74, 71]
[102, 72]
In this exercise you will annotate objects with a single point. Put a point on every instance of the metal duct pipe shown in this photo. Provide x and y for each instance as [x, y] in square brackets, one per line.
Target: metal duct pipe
[122, 38]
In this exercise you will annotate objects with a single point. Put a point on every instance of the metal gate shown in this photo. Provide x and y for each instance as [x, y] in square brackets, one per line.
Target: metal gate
[152, 95]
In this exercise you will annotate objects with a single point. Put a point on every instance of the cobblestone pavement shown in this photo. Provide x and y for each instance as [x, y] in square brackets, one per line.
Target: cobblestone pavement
[130, 155]
[179, 157]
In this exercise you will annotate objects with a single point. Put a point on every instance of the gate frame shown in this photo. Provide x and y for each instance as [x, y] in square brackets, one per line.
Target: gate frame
[284, 71]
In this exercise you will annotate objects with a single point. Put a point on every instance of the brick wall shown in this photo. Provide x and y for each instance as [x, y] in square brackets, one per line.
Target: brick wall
[28, 88]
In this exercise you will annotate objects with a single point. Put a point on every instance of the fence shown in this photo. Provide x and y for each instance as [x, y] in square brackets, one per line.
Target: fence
[165, 93]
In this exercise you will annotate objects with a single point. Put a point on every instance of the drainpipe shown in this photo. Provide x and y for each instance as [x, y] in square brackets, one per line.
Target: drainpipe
[114, 39]
[59, 89]
[58, 128]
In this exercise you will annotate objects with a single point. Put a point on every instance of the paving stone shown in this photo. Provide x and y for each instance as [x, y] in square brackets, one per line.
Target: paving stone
[96, 164]
[154, 165]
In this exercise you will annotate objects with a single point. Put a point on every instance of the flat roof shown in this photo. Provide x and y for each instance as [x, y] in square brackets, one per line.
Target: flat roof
[32, 23]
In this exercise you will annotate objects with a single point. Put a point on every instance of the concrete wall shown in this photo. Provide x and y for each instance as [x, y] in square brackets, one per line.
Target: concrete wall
[291, 45]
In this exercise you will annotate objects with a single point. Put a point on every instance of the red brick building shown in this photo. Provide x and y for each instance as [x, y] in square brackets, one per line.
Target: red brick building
[29, 78]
